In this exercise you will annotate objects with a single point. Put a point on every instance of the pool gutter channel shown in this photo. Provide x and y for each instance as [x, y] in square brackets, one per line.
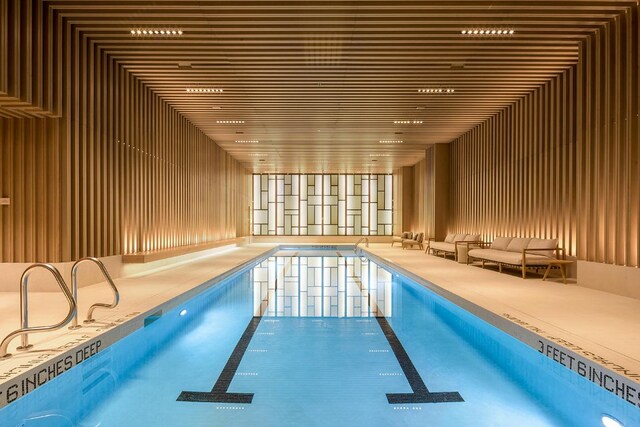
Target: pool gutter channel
[625, 383]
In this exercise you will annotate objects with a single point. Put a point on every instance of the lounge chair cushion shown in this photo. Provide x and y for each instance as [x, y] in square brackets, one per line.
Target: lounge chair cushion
[472, 238]
[518, 244]
[449, 238]
[407, 235]
[501, 243]
[459, 237]
[543, 244]
[507, 257]
[443, 246]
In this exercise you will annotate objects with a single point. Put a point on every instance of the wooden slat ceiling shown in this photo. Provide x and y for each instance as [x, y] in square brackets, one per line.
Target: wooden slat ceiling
[319, 83]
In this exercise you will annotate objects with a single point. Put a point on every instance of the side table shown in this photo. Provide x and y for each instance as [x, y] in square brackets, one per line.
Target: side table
[562, 263]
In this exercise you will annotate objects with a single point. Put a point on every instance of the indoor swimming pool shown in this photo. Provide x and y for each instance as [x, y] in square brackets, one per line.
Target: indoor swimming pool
[318, 338]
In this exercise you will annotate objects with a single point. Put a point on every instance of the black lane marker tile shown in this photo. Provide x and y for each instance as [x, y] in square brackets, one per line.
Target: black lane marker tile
[421, 393]
[219, 391]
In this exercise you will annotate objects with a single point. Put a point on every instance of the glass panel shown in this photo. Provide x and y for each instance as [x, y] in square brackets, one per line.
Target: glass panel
[335, 204]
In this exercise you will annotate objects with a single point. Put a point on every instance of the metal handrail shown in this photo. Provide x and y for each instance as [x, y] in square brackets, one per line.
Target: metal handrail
[24, 310]
[362, 239]
[74, 285]
[362, 257]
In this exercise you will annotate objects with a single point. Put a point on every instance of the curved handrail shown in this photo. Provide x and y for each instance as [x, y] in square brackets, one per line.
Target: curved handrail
[363, 239]
[74, 282]
[24, 310]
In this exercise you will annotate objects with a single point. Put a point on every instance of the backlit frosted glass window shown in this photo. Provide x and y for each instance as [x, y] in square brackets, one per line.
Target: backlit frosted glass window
[322, 205]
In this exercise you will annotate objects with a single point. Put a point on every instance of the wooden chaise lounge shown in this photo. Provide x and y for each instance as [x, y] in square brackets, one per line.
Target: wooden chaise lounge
[402, 237]
[520, 252]
[451, 243]
[418, 240]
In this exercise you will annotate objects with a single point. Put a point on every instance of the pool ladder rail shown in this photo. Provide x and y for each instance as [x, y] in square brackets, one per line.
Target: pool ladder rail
[25, 330]
[360, 254]
[74, 285]
[71, 297]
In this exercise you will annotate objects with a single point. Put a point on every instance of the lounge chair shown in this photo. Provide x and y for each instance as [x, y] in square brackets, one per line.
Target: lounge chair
[402, 237]
[451, 244]
[416, 241]
[519, 252]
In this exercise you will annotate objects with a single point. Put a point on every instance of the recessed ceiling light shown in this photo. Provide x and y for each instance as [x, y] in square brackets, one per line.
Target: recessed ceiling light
[379, 155]
[391, 141]
[437, 90]
[155, 32]
[258, 154]
[203, 90]
[487, 32]
[407, 122]
[252, 141]
[229, 122]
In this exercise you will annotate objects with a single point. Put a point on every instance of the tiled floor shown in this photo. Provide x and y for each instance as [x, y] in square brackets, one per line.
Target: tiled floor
[604, 323]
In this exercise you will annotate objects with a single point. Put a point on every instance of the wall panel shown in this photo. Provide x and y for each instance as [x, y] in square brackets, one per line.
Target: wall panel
[34, 226]
[608, 155]
[562, 161]
[28, 60]
[513, 174]
[120, 172]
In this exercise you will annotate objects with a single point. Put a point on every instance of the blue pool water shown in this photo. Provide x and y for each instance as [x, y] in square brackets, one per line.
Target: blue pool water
[318, 339]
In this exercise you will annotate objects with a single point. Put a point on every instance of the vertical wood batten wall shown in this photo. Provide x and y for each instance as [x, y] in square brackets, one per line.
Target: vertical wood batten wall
[120, 171]
[608, 144]
[513, 175]
[564, 160]
[33, 176]
[144, 178]
[29, 59]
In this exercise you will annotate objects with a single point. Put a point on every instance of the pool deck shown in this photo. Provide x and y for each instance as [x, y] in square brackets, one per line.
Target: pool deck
[603, 327]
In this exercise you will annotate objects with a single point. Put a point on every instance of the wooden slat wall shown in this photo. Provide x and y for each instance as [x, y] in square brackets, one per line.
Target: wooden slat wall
[608, 151]
[563, 161]
[29, 60]
[420, 220]
[143, 177]
[514, 175]
[120, 172]
[32, 174]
